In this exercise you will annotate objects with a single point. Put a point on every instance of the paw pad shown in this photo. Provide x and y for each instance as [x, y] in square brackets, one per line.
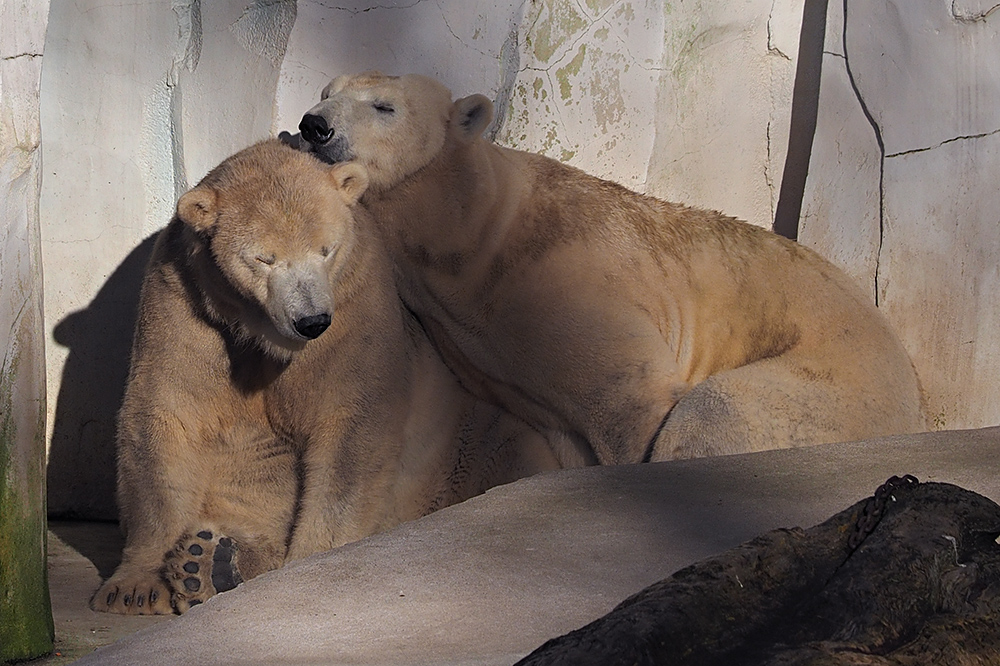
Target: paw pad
[225, 574]
[200, 566]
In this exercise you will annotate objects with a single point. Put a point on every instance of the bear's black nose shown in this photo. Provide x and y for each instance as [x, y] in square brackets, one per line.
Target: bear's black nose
[314, 129]
[311, 327]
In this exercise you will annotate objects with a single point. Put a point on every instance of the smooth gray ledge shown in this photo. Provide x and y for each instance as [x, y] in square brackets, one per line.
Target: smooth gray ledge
[487, 581]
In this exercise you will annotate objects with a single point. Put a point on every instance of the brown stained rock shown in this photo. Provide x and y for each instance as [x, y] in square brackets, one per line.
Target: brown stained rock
[922, 588]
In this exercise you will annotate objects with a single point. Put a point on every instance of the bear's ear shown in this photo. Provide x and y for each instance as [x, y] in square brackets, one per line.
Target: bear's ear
[334, 87]
[470, 116]
[197, 208]
[351, 179]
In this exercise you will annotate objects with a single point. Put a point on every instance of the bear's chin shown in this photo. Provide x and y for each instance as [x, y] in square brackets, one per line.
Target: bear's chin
[270, 342]
[284, 352]
[333, 152]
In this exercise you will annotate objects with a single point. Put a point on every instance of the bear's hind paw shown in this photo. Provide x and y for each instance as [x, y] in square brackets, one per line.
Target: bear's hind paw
[200, 566]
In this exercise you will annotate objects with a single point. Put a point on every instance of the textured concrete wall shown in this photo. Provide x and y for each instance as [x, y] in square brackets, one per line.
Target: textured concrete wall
[691, 101]
[25, 616]
[139, 101]
[724, 101]
[688, 101]
[903, 189]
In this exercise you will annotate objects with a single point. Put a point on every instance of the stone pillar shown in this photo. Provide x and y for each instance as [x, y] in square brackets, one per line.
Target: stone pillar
[25, 615]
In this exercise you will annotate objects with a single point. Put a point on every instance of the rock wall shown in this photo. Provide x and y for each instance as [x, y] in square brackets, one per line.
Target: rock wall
[25, 616]
[700, 101]
[139, 101]
[902, 185]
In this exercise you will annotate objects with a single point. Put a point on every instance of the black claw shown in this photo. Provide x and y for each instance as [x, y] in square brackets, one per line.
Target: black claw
[195, 549]
[205, 534]
[194, 602]
[153, 596]
[111, 596]
[191, 567]
[192, 584]
[140, 600]
[127, 600]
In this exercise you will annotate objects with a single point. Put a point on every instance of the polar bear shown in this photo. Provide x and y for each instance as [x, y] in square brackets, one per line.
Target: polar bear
[281, 400]
[623, 327]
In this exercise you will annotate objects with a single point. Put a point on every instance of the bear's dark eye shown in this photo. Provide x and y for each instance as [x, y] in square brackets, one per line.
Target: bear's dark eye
[267, 260]
[384, 107]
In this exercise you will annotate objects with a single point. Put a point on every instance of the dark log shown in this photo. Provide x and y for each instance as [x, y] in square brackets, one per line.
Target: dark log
[923, 587]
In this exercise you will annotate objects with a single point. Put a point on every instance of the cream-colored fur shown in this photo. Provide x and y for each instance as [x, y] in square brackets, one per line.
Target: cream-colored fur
[235, 423]
[626, 327]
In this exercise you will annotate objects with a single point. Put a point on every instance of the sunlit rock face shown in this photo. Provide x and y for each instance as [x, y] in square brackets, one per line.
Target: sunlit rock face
[687, 101]
[902, 185]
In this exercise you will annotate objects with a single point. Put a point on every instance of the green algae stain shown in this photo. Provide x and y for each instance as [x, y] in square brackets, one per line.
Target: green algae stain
[683, 42]
[627, 11]
[557, 22]
[599, 6]
[610, 107]
[26, 628]
[572, 69]
[550, 141]
[537, 87]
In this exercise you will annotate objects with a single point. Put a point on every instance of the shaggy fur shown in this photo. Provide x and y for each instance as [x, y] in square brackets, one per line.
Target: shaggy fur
[624, 327]
[248, 434]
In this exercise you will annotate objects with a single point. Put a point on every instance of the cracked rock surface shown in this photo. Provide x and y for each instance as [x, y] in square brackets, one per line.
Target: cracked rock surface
[897, 193]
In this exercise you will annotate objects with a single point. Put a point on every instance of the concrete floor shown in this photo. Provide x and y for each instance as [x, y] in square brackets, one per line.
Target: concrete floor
[81, 554]
[487, 581]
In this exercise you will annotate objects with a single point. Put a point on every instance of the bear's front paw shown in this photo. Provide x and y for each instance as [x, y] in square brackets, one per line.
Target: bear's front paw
[133, 593]
[200, 566]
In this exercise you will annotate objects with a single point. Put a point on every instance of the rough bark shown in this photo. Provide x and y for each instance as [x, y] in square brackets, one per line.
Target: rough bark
[923, 587]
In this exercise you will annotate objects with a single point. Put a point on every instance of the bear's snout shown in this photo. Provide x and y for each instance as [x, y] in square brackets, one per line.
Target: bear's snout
[311, 327]
[315, 130]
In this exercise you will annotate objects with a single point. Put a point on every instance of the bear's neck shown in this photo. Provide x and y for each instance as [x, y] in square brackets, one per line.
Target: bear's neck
[452, 216]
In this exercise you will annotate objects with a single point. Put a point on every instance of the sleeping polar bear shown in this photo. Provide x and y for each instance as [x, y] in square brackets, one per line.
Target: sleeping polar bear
[624, 327]
[281, 401]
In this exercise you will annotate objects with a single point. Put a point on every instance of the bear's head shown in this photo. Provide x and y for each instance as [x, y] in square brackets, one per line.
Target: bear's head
[393, 125]
[270, 231]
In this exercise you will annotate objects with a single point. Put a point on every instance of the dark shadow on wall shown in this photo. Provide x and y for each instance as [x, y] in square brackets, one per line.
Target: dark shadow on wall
[805, 109]
[81, 469]
[101, 543]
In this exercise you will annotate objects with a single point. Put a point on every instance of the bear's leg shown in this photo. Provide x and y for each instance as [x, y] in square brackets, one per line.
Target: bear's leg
[348, 488]
[779, 402]
[244, 527]
[329, 517]
[157, 495]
